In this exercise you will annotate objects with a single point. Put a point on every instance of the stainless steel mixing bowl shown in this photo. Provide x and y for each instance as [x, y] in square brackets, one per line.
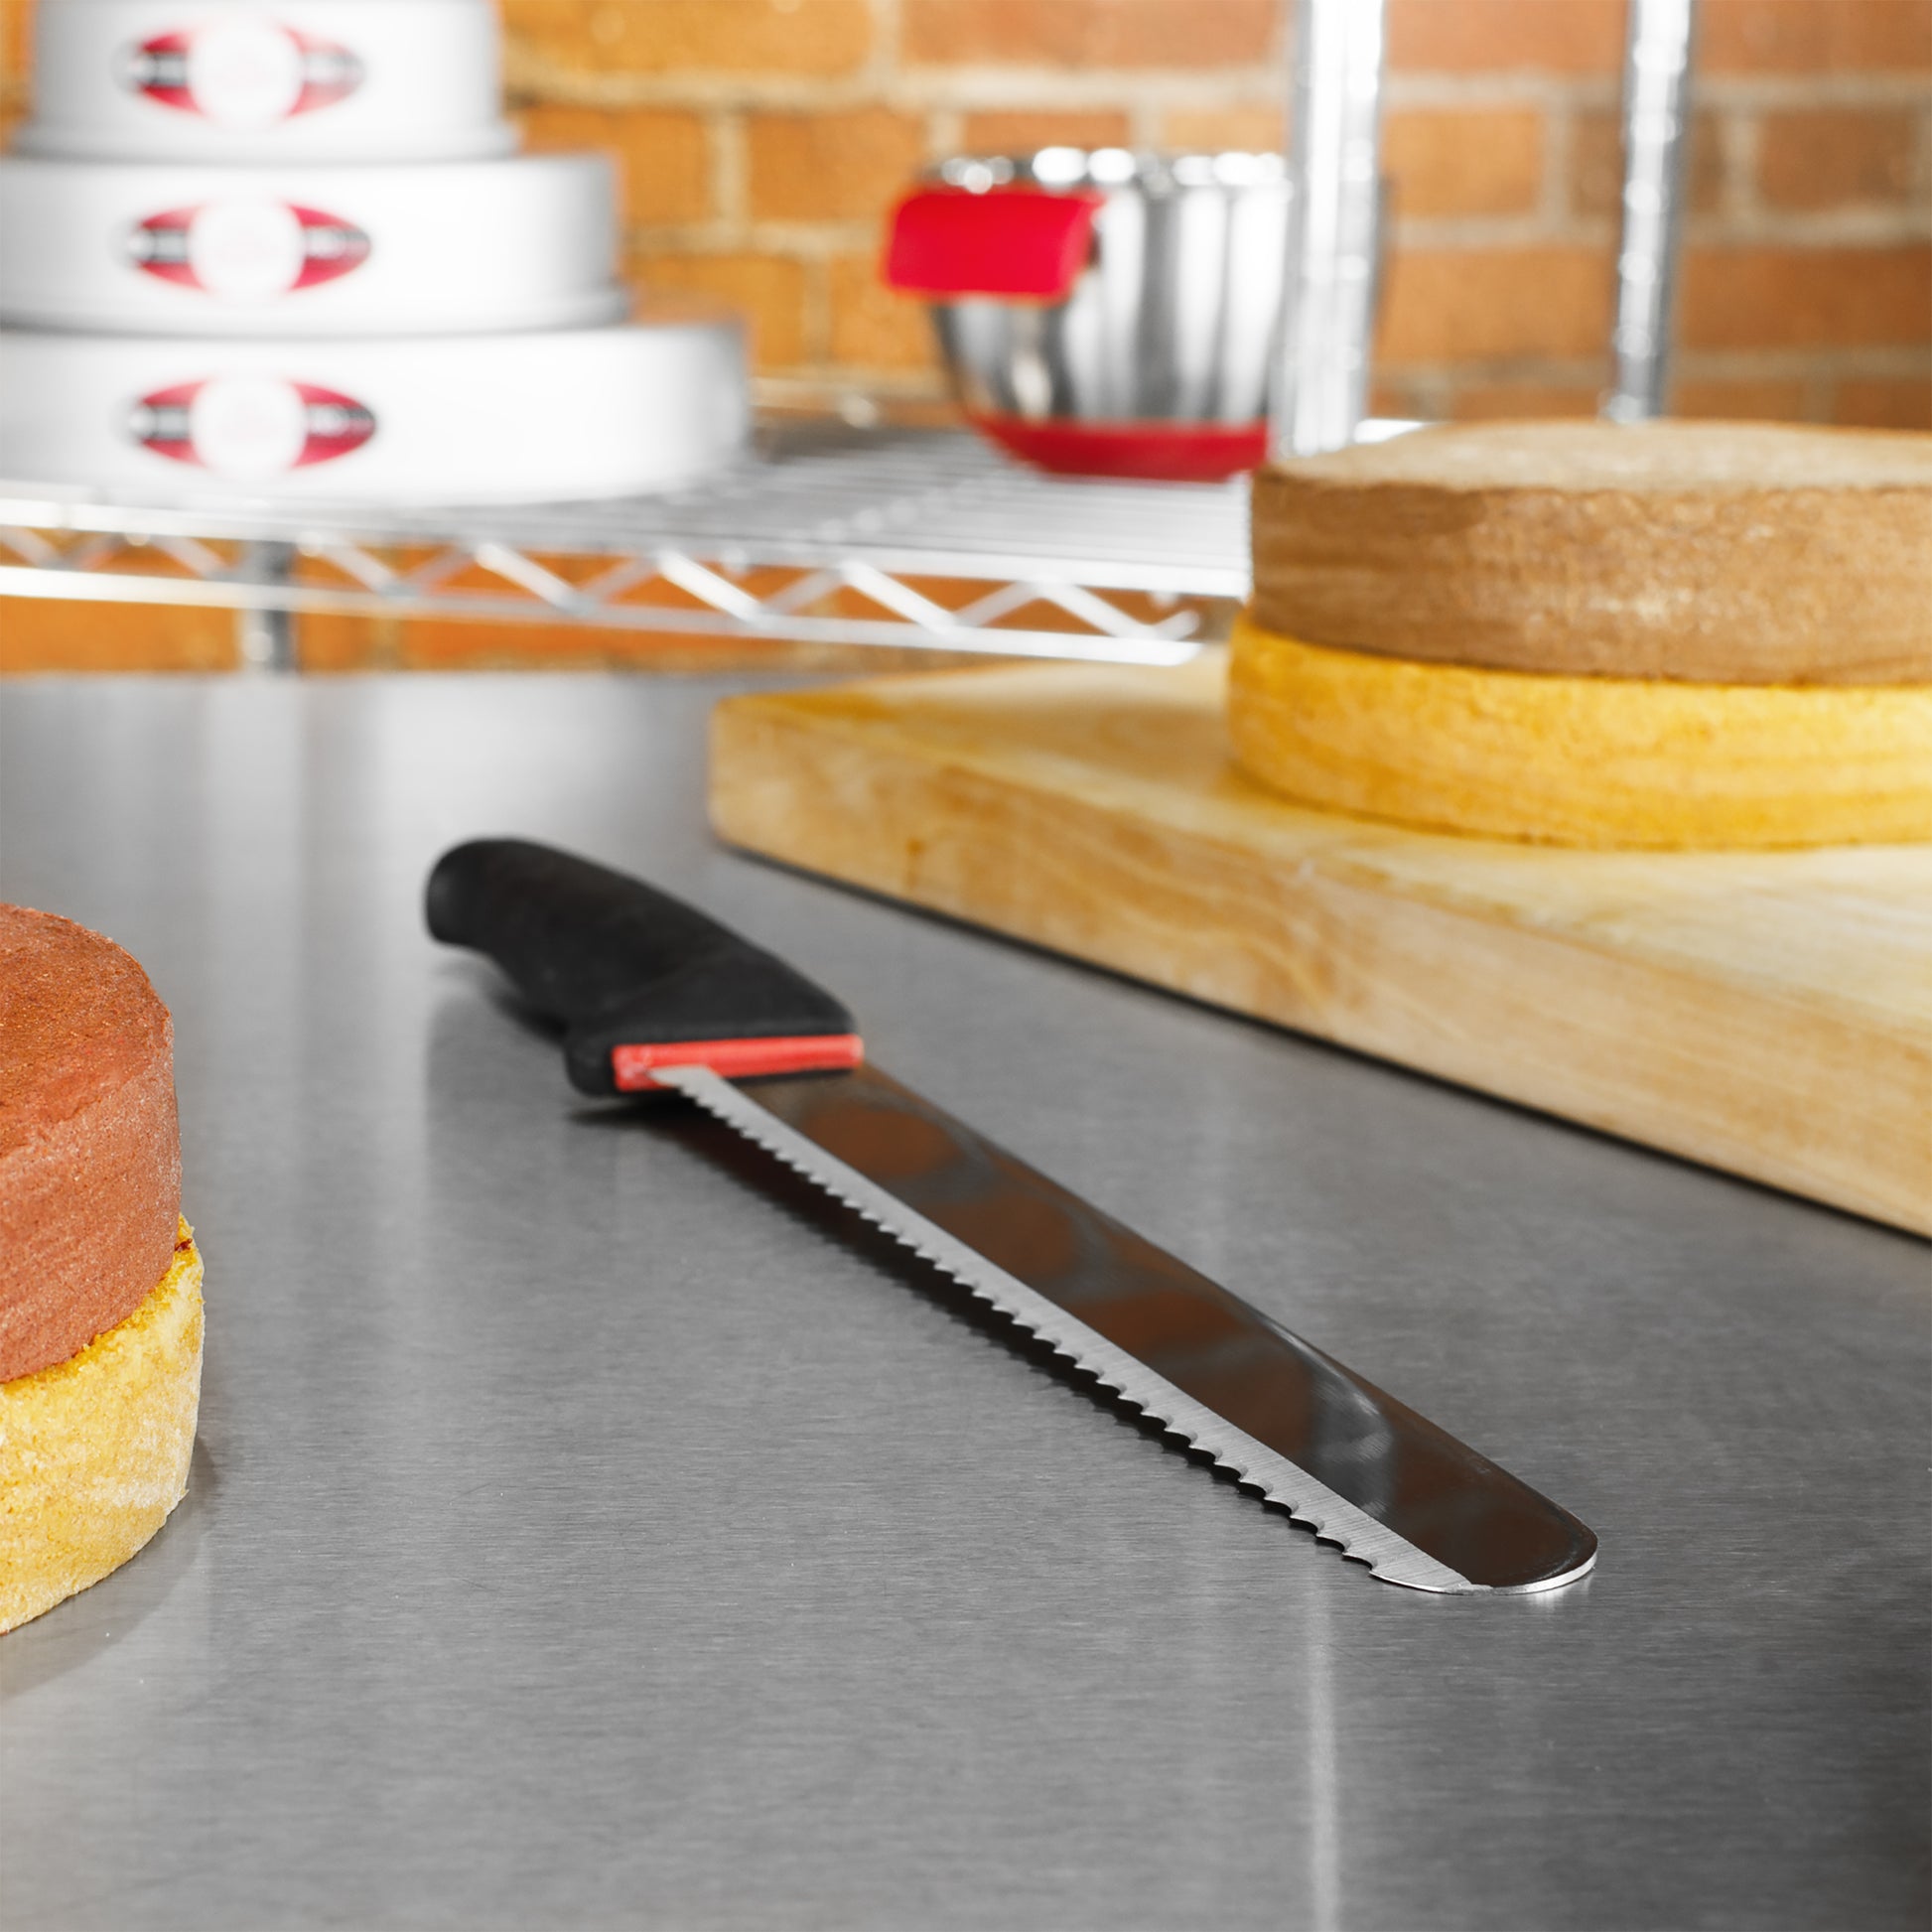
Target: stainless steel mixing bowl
[1174, 321]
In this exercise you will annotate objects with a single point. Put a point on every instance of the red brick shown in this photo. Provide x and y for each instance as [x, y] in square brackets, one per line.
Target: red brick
[663, 165]
[1500, 36]
[331, 641]
[602, 36]
[1470, 305]
[445, 644]
[1806, 297]
[58, 635]
[1093, 32]
[1596, 163]
[1835, 157]
[1740, 399]
[1395, 398]
[1490, 401]
[1807, 37]
[1465, 161]
[1237, 129]
[16, 48]
[1021, 131]
[1884, 402]
[827, 167]
[768, 289]
[872, 328]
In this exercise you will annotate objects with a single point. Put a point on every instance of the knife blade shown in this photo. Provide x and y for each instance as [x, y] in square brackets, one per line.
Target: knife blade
[657, 997]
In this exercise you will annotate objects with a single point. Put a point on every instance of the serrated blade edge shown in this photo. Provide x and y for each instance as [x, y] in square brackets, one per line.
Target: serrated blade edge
[1389, 1554]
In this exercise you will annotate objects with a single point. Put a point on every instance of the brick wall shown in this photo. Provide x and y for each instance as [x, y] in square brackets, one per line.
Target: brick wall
[764, 138]
[761, 140]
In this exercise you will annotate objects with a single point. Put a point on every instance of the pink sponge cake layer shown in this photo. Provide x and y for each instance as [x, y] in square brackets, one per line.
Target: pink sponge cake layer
[90, 1144]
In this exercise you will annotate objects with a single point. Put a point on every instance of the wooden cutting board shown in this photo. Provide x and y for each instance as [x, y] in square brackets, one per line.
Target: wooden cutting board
[1765, 1013]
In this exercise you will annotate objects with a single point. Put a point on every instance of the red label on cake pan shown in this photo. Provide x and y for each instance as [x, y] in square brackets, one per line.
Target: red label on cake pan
[247, 250]
[252, 428]
[243, 74]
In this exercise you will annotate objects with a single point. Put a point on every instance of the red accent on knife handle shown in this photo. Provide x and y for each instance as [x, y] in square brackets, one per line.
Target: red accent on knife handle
[633, 1067]
[623, 966]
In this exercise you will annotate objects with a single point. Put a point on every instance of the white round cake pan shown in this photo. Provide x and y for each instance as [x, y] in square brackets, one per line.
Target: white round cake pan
[438, 419]
[527, 243]
[266, 81]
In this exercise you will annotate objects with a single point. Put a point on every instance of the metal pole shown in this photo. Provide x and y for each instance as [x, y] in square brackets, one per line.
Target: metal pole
[265, 638]
[1335, 165]
[1656, 122]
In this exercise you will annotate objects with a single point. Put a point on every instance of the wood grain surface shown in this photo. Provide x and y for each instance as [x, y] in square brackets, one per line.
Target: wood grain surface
[1765, 1013]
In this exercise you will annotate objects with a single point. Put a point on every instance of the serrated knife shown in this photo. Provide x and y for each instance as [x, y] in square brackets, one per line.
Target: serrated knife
[655, 995]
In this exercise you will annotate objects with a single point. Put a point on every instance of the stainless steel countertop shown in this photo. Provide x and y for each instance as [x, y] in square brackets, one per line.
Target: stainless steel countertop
[579, 1537]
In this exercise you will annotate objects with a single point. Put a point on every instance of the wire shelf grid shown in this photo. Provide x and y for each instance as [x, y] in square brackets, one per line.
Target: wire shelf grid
[922, 538]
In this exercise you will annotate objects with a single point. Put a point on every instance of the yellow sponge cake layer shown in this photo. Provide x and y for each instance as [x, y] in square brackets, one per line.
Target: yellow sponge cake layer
[94, 1450]
[1580, 760]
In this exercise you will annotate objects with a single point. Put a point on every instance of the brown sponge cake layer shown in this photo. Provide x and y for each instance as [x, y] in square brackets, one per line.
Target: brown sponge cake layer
[89, 1145]
[1717, 553]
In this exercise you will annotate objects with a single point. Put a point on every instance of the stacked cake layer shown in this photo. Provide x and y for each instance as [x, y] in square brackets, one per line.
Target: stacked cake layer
[276, 248]
[1670, 635]
[101, 1307]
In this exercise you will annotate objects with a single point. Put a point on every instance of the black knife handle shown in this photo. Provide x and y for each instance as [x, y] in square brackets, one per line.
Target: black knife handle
[637, 978]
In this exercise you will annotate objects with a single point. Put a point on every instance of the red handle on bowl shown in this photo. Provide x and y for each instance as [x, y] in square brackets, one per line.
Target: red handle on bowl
[1012, 242]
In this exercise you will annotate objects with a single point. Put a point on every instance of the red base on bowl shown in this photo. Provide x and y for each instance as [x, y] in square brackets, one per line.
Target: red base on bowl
[1156, 452]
